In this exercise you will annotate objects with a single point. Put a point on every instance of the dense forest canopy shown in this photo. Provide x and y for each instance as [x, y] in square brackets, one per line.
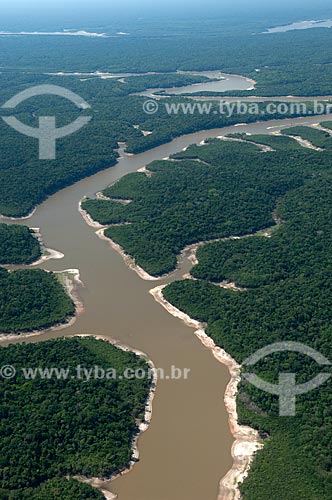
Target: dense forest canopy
[284, 271]
[316, 137]
[281, 64]
[284, 61]
[233, 192]
[117, 116]
[18, 245]
[32, 299]
[287, 296]
[47, 427]
[274, 142]
[54, 428]
[58, 488]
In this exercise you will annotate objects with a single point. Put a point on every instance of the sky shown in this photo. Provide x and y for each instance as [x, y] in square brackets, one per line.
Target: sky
[29, 11]
[142, 5]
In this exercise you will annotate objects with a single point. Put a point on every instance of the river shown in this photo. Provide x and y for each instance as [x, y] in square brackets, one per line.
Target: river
[300, 25]
[187, 448]
[220, 82]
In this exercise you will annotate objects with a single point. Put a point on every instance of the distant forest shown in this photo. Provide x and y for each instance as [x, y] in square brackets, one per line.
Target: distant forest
[281, 64]
[116, 117]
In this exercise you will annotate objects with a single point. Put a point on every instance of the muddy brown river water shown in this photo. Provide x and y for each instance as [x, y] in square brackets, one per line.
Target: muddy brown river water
[187, 448]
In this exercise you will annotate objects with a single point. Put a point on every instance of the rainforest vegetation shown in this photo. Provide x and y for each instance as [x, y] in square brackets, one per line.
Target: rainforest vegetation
[274, 61]
[274, 142]
[63, 426]
[316, 137]
[53, 429]
[284, 274]
[286, 296]
[18, 245]
[281, 63]
[32, 299]
[233, 192]
[58, 488]
[117, 116]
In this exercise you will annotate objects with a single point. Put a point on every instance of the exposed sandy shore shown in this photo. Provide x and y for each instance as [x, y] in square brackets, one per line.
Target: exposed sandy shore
[190, 251]
[47, 253]
[101, 196]
[71, 282]
[323, 129]
[191, 248]
[100, 483]
[145, 171]
[303, 142]
[263, 147]
[88, 219]
[128, 260]
[4, 217]
[247, 441]
[143, 426]
[230, 285]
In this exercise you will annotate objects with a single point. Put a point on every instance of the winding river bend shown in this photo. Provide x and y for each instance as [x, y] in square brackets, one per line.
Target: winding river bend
[187, 448]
